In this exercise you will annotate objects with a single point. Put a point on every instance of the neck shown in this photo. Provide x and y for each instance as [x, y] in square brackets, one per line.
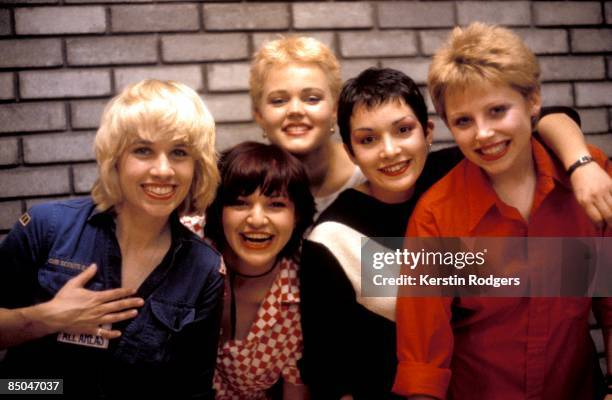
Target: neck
[140, 233]
[317, 165]
[516, 186]
[386, 196]
[517, 174]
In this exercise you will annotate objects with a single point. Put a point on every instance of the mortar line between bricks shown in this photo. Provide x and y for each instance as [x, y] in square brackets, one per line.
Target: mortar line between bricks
[374, 14]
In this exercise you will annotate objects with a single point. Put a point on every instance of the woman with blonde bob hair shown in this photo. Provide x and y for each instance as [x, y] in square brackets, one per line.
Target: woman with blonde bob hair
[156, 109]
[112, 293]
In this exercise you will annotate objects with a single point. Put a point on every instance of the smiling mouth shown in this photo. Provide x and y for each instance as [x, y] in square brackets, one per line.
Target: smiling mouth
[159, 192]
[494, 151]
[396, 169]
[297, 130]
[256, 240]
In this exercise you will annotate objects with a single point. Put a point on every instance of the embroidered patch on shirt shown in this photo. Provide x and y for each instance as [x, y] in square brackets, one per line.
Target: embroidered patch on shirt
[84, 339]
[25, 219]
[67, 264]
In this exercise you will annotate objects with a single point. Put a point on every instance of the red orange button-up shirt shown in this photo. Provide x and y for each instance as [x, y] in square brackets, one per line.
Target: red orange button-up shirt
[499, 348]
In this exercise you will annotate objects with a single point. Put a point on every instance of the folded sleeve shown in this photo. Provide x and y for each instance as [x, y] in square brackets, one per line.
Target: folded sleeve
[424, 331]
[424, 346]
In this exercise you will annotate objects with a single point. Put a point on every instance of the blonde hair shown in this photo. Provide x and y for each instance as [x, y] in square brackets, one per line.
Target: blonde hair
[288, 50]
[153, 109]
[482, 53]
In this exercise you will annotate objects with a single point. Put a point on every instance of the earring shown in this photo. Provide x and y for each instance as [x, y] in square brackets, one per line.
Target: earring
[264, 134]
[332, 130]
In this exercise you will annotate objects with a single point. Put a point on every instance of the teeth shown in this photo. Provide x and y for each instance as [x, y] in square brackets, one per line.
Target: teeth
[395, 167]
[159, 190]
[296, 129]
[498, 148]
[257, 237]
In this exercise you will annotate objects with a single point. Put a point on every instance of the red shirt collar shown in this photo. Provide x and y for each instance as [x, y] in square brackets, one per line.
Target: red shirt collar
[481, 197]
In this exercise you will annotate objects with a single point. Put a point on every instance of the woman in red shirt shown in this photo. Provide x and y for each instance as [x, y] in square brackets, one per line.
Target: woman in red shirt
[485, 85]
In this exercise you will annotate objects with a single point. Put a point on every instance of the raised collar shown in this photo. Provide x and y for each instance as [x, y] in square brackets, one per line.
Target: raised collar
[480, 194]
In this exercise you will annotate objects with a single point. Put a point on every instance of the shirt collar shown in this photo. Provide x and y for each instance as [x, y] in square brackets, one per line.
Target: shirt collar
[287, 282]
[481, 196]
[107, 217]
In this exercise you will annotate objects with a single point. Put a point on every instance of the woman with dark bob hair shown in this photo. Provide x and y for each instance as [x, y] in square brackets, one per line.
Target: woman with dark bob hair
[257, 221]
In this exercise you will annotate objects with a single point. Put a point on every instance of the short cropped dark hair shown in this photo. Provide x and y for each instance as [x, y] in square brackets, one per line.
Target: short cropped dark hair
[374, 87]
[249, 166]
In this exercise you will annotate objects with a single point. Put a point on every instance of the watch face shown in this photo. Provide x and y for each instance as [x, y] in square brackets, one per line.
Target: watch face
[581, 161]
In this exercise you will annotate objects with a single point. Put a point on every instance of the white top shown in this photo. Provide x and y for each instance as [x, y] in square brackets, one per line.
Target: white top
[324, 201]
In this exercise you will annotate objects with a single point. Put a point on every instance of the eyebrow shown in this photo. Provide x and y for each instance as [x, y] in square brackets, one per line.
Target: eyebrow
[178, 143]
[395, 122]
[281, 91]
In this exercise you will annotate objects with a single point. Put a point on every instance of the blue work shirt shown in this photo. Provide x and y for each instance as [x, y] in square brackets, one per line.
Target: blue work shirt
[169, 348]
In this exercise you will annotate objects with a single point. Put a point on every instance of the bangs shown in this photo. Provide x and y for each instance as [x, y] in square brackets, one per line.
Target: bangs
[160, 119]
[250, 166]
[246, 175]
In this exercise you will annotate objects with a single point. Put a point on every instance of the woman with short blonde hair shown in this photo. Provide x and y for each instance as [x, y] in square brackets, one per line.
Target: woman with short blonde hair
[112, 293]
[154, 109]
[294, 86]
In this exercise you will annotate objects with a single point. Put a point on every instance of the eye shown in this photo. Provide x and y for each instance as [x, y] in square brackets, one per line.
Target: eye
[180, 153]
[312, 99]
[277, 101]
[278, 204]
[141, 151]
[404, 130]
[367, 139]
[238, 202]
[461, 122]
[499, 110]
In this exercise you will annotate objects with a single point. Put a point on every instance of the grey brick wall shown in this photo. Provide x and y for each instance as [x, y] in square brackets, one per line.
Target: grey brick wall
[62, 60]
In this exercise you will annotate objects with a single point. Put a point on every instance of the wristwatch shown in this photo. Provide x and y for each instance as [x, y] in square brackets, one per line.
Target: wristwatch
[584, 160]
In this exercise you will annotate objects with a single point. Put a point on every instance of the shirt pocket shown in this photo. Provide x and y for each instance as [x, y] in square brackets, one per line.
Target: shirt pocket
[165, 321]
[53, 277]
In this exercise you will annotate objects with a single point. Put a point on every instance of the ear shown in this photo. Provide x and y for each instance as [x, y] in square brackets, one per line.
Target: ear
[429, 131]
[535, 103]
[258, 118]
[334, 120]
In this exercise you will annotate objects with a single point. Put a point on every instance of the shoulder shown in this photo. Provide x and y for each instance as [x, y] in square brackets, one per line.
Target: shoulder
[442, 202]
[60, 215]
[447, 188]
[340, 208]
[64, 207]
[197, 252]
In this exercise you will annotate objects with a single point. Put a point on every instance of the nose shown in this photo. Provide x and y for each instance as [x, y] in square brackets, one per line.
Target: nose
[162, 167]
[257, 216]
[484, 131]
[389, 149]
[296, 108]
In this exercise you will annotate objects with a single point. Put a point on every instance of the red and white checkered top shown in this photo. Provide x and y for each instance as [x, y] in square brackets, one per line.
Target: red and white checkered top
[195, 223]
[247, 368]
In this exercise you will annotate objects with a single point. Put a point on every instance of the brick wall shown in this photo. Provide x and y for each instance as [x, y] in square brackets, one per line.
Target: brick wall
[61, 60]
